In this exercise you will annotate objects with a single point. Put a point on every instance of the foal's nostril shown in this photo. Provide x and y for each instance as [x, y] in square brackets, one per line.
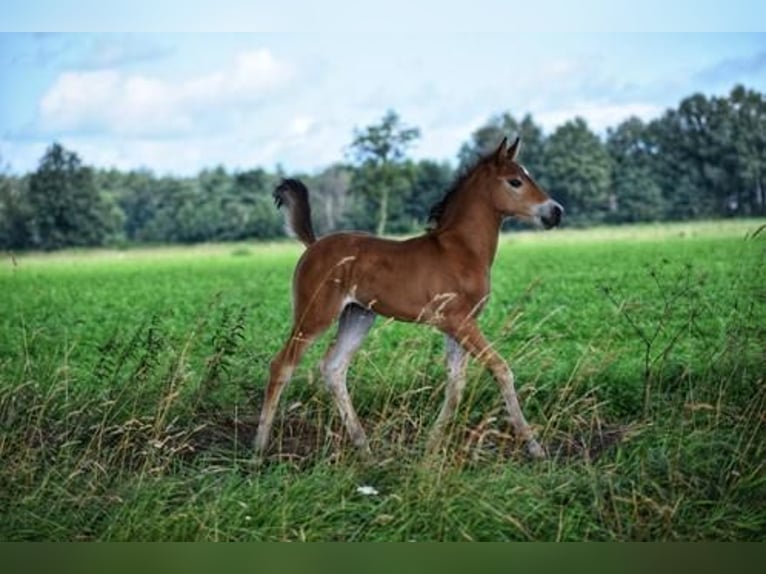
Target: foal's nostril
[556, 213]
[553, 217]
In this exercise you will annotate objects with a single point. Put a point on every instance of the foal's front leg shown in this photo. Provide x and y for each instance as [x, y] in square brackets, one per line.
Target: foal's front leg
[473, 341]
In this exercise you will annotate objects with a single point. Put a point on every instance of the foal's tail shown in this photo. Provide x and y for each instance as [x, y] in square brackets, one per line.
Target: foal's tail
[294, 197]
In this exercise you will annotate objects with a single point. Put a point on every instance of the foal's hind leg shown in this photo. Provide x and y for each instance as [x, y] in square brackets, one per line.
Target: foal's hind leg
[354, 324]
[456, 361]
[282, 367]
[307, 327]
[473, 341]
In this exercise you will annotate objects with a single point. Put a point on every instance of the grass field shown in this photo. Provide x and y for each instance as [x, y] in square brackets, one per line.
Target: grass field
[130, 383]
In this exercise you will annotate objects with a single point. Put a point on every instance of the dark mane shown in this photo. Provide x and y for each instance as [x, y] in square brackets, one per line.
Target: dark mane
[437, 210]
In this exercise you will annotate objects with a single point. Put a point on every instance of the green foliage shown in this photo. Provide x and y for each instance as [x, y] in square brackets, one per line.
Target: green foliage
[214, 206]
[579, 169]
[709, 155]
[533, 149]
[383, 143]
[636, 196]
[66, 208]
[747, 119]
[428, 182]
[636, 193]
[693, 181]
[15, 215]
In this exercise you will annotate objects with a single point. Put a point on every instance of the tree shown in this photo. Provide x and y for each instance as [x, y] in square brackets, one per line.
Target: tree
[67, 209]
[748, 118]
[378, 152]
[694, 157]
[14, 212]
[253, 207]
[430, 181]
[134, 194]
[218, 203]
[110, 185]
[532, 153]
[579, 169]
[705, 144]
[636, 194]
[172, 211]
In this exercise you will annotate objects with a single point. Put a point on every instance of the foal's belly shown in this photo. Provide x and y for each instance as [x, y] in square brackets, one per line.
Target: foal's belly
[411, 305]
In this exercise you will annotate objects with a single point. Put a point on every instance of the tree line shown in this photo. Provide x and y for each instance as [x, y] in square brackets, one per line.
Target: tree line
[704, 159]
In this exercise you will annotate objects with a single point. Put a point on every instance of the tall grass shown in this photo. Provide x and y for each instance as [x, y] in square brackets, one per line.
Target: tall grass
[129, 395]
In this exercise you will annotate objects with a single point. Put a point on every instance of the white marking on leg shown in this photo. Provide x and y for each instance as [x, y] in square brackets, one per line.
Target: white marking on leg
[505, 379]
[474, 342]
[456, 362]
[354, 324]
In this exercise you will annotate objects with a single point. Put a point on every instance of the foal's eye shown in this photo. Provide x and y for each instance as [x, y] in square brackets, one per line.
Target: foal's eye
[515, 182]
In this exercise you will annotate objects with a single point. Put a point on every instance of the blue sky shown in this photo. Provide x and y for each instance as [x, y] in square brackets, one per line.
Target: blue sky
[176, 103]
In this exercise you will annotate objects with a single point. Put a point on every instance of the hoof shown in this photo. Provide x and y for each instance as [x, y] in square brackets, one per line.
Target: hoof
[258, 461]
[364, 453]
[535, 450]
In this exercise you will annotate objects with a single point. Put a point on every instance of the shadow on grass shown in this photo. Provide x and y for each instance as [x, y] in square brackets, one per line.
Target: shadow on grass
[300, 440]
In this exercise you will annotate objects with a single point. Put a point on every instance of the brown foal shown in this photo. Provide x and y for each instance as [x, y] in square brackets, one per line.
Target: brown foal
[441, 278]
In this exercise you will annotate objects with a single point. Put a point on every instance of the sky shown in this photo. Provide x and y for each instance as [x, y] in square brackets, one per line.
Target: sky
[177, 103]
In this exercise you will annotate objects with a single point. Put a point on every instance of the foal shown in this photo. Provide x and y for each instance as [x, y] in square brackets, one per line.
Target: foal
[440, 278]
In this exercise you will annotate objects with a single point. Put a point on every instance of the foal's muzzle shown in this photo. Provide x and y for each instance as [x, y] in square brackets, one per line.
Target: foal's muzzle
[551, 214]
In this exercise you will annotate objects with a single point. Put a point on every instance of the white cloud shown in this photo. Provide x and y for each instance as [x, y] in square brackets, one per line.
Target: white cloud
[442, 140]
[114, 50]
[301, 125]
[303, 144]
[112, 102]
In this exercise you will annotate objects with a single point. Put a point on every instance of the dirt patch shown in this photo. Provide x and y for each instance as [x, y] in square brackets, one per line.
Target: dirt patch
[299, 439]
[294, 438]
[588, 445]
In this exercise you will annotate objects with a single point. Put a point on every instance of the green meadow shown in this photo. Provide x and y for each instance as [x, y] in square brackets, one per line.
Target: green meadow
[131, 380]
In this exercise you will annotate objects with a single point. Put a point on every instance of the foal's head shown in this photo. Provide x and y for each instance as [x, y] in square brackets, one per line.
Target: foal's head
[513, 191]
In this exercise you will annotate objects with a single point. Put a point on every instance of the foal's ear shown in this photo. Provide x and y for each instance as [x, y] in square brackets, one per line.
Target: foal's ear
[502, 151]
[513, 153]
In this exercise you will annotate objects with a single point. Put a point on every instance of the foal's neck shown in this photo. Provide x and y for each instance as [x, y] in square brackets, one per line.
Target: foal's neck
[472, 222]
